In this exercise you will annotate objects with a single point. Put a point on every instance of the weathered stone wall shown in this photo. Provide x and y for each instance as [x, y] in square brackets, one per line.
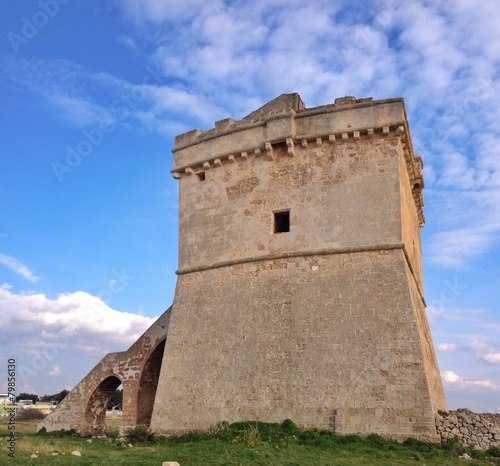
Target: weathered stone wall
[337, 197]
[411, 184]
[481, 430]
[324, 324]
[285, 339]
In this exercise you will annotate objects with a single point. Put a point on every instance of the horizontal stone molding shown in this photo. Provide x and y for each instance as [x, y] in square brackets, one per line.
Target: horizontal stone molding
[286, 255]
[289, 139]
[319, 252]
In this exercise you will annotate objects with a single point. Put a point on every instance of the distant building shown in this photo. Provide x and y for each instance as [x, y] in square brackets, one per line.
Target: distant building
[5, 398]
[6, 401]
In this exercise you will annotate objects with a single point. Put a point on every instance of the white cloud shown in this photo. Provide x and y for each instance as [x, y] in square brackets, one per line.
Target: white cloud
[447, 347]
[456, 381]
[483, 351]
[490, 358]
[56, 370]
[169, 99]
[477, 345]
[454, 248]
[465, 223]
[32, 323]
[451, 377]
[18, 267]
[91, 99]
[159, 11]
[65, 85]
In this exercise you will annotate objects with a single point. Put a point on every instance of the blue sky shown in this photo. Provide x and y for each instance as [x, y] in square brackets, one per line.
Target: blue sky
[93, 93]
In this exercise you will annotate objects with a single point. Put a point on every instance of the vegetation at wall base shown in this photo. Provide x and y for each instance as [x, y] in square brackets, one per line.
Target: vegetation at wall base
[241, 443]
[141, 435]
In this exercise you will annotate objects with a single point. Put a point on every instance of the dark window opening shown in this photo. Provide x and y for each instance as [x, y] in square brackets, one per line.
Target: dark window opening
[280, 149]
[201, 176]
[282, 222]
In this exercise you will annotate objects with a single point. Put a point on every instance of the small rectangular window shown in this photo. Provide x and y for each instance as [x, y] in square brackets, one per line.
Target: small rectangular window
[201, 176]
[282, 221]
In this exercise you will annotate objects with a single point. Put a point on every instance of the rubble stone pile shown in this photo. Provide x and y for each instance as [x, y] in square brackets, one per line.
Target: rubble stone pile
[481, 430]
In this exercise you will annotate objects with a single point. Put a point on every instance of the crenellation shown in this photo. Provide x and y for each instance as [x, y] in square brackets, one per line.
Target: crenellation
[229, 125]
[223, 126]
[188, 137]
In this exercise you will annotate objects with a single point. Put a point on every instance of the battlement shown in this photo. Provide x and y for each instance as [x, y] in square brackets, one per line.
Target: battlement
[287, 120]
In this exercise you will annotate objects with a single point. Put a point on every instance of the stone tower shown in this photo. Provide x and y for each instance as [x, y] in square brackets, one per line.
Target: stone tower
[299, 291]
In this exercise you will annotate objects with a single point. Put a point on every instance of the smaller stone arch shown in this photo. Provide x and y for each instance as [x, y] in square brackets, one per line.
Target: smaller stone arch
[95, 410]
[84, 409]
[148, 385]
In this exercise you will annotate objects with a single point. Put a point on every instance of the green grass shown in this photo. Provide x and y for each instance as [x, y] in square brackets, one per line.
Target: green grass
[243, 443]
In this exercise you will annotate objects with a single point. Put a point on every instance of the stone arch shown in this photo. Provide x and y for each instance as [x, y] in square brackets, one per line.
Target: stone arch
[95, 411]
[148, 385]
